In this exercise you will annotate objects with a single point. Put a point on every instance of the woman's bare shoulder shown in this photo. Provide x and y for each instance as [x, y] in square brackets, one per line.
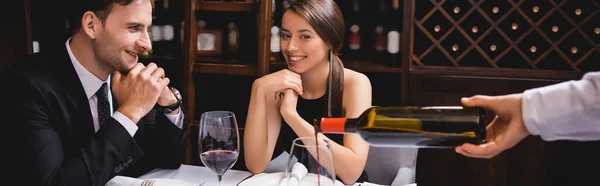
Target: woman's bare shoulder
[354, 78]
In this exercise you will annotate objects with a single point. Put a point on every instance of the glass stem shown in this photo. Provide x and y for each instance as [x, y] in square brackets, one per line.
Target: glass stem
[219, 177]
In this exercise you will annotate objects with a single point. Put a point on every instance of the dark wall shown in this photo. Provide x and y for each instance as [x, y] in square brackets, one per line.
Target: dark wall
[13, 32]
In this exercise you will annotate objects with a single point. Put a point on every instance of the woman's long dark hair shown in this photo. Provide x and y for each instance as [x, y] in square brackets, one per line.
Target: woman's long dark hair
[327, 20]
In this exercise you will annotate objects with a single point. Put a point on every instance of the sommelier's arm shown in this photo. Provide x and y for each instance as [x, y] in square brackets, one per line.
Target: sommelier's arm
[350, 159]
[565, 111]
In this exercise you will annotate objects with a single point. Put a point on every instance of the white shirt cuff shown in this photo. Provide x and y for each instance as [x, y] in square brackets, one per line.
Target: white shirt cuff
[176, 119]
[126, 122]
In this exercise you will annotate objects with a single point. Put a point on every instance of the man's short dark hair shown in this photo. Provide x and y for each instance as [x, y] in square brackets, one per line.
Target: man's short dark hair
[100, 7]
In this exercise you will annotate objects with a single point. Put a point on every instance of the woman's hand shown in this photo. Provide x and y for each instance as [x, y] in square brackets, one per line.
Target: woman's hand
[275, 83]
[288, 101]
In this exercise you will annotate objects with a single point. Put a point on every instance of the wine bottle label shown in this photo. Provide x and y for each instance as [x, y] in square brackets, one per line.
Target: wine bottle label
[233, 37]
[156, 33]
[275, 39]
[36, 46]
[393, 42]
[333, 125]
[354, 38]
[167, 32]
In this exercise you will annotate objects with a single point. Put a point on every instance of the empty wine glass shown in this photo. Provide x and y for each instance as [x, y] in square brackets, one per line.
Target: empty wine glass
[315, 159]
[218, 141]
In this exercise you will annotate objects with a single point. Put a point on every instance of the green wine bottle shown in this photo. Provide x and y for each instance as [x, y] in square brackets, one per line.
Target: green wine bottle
[427, 127]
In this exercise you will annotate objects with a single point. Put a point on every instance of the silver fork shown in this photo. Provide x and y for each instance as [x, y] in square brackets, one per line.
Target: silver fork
[148, 182]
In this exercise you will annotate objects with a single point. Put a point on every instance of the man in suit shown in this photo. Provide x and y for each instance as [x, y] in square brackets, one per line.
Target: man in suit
[90, 111]
[564, 111]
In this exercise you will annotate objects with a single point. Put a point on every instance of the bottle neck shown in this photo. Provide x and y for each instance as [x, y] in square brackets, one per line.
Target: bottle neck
[337, 125]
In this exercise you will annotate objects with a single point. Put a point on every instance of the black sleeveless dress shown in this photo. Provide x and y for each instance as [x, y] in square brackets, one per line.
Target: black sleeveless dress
[308, 110]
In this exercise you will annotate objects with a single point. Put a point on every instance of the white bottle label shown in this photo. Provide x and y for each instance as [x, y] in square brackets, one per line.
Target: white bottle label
[233, 34]
[393, 42]
[36, 46]
[275, 39]
[168, 32]
[156, 33]
[232, 38]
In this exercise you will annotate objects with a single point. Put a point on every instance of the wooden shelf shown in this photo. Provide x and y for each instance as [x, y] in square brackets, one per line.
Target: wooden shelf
[226, 6]
[497, 72]
[369, 66]
[159, 57]
[356, 65]
[216, 65]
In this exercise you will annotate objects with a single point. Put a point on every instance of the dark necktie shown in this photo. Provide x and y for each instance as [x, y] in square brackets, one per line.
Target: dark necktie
[103, 106]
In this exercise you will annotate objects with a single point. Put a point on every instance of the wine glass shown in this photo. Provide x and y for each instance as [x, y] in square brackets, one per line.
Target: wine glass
[218, 141]
[316, 157]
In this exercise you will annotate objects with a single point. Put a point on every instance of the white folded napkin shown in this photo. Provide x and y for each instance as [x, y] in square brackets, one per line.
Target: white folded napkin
[374, 184]
[129, 181]
[298, 172]
[367, 184]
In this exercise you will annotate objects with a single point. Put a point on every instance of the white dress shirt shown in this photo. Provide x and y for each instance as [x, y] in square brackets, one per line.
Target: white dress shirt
[565, 111]
[91, 84]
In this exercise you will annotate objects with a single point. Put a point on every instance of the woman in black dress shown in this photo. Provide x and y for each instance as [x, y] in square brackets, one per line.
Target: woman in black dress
[315, 84]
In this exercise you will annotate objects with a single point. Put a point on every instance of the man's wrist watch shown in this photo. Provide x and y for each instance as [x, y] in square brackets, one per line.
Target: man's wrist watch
[175, 106]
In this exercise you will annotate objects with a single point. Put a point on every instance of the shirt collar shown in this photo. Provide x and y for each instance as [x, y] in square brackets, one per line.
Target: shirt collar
[89, 81]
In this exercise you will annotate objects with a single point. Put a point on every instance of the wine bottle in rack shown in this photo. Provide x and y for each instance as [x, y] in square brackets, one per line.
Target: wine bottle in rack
[275, 48]
[354, 38]
[379, 53]
[233, 38]
[379, 39]
[393, 36]
[355, 6]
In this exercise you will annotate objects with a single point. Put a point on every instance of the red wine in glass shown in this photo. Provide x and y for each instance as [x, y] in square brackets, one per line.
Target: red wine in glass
[318, 159]
[218, 141]
[219, 161]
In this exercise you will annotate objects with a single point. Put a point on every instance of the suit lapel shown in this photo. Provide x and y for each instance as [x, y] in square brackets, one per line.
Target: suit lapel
[75, 94]
[114, 99]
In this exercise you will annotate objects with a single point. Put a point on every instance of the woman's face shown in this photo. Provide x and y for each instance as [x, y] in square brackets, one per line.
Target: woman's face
[301, 46]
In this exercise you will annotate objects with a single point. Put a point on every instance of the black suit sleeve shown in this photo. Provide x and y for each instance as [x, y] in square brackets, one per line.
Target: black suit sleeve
[163, 142]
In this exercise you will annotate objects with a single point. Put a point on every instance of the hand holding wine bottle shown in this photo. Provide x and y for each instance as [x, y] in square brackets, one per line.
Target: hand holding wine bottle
[504, 132]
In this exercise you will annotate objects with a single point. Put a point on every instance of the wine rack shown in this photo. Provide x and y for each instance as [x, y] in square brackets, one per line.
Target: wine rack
[562, 35]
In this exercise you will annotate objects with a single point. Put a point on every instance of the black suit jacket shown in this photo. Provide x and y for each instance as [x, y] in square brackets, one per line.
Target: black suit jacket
[46, 109]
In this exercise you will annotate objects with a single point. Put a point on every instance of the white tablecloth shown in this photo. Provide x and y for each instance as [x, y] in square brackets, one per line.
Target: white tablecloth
[198, 174]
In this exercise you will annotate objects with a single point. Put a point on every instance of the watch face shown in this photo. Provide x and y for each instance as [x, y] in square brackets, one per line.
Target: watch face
[176, 93]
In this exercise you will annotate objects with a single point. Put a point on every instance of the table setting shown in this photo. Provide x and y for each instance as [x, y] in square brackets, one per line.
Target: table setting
[310, 162]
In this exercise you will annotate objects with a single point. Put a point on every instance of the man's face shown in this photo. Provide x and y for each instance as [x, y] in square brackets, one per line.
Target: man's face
[124, 35]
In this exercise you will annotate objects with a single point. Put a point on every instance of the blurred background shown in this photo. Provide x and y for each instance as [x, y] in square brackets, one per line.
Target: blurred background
[415, 52]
